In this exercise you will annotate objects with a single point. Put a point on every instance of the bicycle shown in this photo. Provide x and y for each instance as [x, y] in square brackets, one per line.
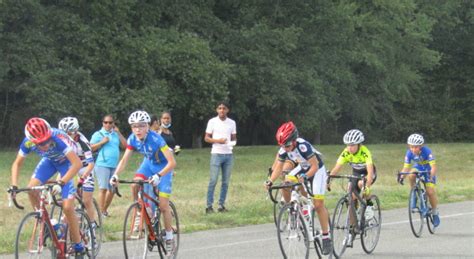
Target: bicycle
[98, 230]
[278, 201]
[418, 206]
[37, 237]
[142, 232]
[347, 223]
[295, 224]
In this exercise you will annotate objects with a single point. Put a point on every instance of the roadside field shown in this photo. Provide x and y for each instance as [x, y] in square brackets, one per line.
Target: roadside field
[247, 200]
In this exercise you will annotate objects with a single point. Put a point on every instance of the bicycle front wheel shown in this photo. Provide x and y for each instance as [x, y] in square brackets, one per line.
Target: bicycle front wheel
[277, 206]
[175, 227]
[414, 212]
[135, 233]
[340, 227]
[292, 234]
[34, 238]
[98, 230]
[372, 225]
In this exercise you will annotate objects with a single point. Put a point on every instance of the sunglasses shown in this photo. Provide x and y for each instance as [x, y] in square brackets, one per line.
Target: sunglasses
[108, 122]
[44, 143]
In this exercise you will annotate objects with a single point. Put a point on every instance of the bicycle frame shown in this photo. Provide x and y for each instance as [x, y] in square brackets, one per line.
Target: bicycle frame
[44, 216]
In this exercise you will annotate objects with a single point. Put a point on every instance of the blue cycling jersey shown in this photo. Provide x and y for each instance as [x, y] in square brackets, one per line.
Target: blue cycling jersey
[422, 162]
[151, 148]
[60, 145]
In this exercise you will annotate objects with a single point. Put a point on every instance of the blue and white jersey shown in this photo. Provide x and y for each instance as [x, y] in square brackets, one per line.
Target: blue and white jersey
[61, 144]
[151, 148]
[422, 162]
[301, 154]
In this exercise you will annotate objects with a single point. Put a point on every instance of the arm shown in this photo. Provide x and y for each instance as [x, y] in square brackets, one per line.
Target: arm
[208, 138]
[88, 170]
[336, 169]
[171, 162]
[370, 174]
[74, 168]
[123, 141]
[314, 167]
[434, 169]
[98, 145]
[233, 137]
[123, 162]
[16, 166]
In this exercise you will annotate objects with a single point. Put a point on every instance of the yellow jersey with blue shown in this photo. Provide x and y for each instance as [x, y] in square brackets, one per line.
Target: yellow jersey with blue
[359, 160]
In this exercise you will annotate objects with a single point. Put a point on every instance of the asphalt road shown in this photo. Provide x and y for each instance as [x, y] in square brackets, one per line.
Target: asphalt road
[453, 239]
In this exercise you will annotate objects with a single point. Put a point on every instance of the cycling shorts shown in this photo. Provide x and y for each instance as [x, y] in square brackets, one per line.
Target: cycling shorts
[148, 169]
[88, 185]
[47, 169]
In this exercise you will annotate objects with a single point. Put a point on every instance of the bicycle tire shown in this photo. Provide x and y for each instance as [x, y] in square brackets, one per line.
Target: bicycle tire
[277, 206]
[24, 232]
[429, 223]
[99, 231]
[176, 233]
[297, 236]
[86, 233]
[340, 227]
[370, 233]
[415, 217]
[135, 233]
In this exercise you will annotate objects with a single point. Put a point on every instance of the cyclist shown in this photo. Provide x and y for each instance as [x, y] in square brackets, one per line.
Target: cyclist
[360, 158]
[70, 125]
[157, 164]
[423, 160]
[56, 150]
[304, 161]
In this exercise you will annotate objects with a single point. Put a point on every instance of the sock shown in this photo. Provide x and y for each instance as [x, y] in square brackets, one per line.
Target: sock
[169, 235]
[325, 235]
[434, 211]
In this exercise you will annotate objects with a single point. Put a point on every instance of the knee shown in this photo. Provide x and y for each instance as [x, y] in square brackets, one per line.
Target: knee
[318, 205]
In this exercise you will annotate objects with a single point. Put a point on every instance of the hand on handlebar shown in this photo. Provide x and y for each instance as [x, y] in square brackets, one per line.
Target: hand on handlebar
[400, 179]
[268, 183]
[114, 180]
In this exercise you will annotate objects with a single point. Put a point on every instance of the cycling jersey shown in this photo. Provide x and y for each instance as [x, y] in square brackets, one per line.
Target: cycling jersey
[60, 145]
[422, 162]
[359, 160]
[301, 154]
[83, 149]
[151, 148]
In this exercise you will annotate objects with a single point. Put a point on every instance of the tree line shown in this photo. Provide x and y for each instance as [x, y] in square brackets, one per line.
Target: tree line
[389, 68]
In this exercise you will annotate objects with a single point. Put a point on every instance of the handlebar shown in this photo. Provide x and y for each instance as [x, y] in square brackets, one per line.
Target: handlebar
[288, 185]
[139, 182]
[47, 187]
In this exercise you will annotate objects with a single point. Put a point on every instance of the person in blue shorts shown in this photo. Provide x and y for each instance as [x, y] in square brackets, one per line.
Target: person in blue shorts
[157, 165]
[57, 155]
[422, 159]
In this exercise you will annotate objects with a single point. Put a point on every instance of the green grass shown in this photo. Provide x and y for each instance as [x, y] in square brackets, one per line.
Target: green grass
[246, 199]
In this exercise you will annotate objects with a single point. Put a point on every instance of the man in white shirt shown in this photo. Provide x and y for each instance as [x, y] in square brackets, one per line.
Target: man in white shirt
[221, 132]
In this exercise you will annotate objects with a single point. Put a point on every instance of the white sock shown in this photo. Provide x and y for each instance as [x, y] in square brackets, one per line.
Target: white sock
[169, 235]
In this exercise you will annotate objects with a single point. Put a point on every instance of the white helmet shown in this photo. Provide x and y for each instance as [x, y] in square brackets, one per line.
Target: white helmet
[69, 124]
[139, 117]
[415, 140]
[353, 137]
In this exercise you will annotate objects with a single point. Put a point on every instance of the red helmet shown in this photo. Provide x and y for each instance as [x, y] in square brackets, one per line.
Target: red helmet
[286, 134]
[37, 130]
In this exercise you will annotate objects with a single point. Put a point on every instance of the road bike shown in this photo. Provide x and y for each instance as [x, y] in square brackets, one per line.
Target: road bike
[144, 229]
[56, 212]
[296, 226]
[36, 236]
[351, 218]
[419, 209]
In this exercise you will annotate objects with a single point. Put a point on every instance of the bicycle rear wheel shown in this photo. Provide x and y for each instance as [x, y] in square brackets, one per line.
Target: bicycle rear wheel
[340, 227]
[292, 235]
[414, 212]
[176, 234]
[372, 225]
[429, 223]
[135, 233]
[34, 238]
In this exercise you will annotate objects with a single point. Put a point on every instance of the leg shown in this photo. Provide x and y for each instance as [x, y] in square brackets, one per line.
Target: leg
[286, 193]
[431, 191]
[226, 172]
[323, 214]
[33, 196]
[88, 203]
[68, 210]
[214, 176]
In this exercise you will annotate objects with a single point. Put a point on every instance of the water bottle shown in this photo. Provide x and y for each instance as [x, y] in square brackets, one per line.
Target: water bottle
[58, 228]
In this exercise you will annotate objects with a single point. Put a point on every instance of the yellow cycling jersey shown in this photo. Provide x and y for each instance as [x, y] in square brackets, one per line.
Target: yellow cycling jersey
[359, 160]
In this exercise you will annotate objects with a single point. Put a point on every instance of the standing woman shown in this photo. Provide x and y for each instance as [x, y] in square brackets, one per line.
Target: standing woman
[165, 132]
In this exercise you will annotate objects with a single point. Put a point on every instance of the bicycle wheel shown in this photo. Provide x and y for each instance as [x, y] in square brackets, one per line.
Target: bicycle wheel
[372, 225]
[277, 206]
[135, 233]
[98, 231]
[292, 235]
[176, 233]
[340, 227]
[429, 222]
[34, 239]
[86, 232]
[414, 214]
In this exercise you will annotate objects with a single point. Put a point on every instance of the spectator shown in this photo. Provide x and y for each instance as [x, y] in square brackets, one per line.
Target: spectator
[221, 132]
[106, 142]
[155, 124]
[165, 132]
